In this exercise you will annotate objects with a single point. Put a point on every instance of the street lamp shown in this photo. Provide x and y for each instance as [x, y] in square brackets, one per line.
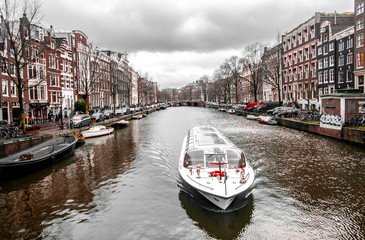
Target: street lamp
[61, 124]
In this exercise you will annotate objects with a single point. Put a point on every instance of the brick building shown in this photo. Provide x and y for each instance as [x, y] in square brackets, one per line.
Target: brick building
[359, 48]
[299, 59]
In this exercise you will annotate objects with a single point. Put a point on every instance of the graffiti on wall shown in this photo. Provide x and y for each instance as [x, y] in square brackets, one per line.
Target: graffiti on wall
[331, 121]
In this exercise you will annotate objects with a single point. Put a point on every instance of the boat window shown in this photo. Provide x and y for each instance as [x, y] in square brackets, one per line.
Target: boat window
[213, 160]
[205, 129]
[209, 139]
[194, 158]
[236, 159]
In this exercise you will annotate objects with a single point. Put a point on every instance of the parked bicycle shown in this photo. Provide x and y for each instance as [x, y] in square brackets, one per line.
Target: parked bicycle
[62, 125]
[356, 121]
[310, 116]
[10, 131]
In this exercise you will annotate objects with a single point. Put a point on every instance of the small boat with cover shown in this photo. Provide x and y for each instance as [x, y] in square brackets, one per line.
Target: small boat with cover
[97, 131]
[121, 123]
[214, 166]
[36, 157]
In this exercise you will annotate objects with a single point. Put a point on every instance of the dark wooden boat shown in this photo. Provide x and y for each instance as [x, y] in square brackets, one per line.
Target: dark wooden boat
[37, 157]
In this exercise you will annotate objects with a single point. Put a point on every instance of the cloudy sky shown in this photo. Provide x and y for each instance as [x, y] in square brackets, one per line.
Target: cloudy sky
[178, 41]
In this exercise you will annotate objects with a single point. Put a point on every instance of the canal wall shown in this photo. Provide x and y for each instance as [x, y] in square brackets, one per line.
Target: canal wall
[14, 145]
[353, 135]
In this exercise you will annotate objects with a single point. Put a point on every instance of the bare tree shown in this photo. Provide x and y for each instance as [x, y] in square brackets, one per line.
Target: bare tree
[224, 81]
[234, 64]
[90, 73]
[19, 47]
[271, 67]
[252, 58]
[205, 80]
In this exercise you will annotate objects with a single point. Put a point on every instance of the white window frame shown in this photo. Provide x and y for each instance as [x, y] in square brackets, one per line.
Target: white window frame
[359, 8]
[5, 87]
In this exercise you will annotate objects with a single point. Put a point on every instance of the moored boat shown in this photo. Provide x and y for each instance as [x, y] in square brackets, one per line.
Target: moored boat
[267, 120]
[121, 123]
[252, 117]
[231, 111]
[36, 157]
[97, 131]
[138, 116]
[214, 166]
[80, 140]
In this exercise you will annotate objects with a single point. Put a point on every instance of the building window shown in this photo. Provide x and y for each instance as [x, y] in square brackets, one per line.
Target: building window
[325, 90]
[320, 64]
[41, 89]
[350, 58]
[360, 60]
[5, 87]
[359, 23]
[331, 47]
[325, 37]
[359, 8]
[320, 77]
[360, 40]
[341, 60]
[325, 62]
[341, 46]
[341, 76]
[12, 69]
[325, 78]
[350, 43]
[319, 50]
[32, 72]
[31, 93]
[12, 89]
[3, 67]
[348, 75]
[332, 75]
[54, 97]
[325, 50]
[332, 61]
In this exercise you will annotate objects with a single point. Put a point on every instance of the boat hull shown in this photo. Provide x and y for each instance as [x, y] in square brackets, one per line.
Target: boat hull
[121, 124]
[89, 134]
[221, 191]
[14, 169]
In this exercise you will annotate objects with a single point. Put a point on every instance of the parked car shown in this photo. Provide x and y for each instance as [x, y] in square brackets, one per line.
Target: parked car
[80, 120]
[267, 106]
[250, 107]
[98, 116]
[125, 110]
[285, 111]
[108, 114]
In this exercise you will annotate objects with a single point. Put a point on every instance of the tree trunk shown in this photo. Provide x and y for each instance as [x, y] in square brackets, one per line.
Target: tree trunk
[21, 106]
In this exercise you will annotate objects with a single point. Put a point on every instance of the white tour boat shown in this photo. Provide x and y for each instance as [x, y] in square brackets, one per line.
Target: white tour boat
[214, 166]
[97, 131]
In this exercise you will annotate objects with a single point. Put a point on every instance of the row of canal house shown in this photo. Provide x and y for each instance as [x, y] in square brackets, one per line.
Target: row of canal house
[66, 68]
[313, 57]
[324, 55]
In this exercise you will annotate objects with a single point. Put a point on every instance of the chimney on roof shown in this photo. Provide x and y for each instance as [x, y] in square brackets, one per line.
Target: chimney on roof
[335, 18]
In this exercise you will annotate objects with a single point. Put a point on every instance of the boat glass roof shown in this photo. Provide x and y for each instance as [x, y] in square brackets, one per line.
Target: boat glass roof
[206, 139]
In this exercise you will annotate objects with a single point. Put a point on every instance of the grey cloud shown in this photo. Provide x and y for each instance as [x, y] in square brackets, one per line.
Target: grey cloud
[159, 25]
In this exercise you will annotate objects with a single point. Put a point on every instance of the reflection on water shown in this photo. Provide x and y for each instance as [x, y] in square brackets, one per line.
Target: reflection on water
[218, 224]
[126, 186]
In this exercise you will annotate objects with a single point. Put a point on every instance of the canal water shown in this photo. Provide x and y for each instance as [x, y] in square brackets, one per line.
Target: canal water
[127, 186]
